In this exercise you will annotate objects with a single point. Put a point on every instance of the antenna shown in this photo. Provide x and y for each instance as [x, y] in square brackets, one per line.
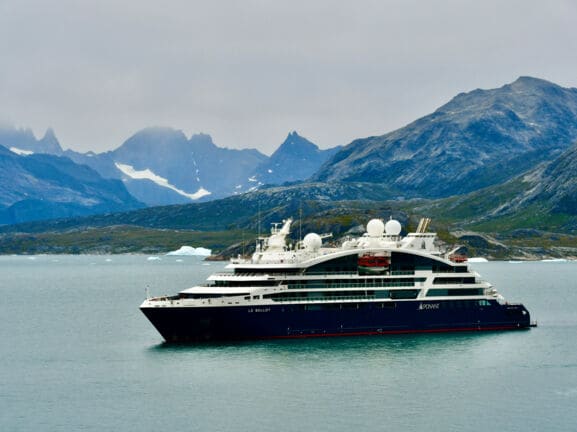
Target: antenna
[258, 218]
[300, 220]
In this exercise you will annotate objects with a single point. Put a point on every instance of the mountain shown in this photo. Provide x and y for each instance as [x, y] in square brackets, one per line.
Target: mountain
[23, 141]
[543, 198]
[42, 186]
[296, 159]
[531, 216]
[162, 166]
[478, 139]
[556, 184]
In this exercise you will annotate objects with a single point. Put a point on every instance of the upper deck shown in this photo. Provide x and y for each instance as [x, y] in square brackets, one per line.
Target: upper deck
[381, 250]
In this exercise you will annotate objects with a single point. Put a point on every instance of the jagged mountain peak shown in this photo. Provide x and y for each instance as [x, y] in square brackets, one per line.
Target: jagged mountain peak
[296, 143]
[296, 159]
[50, 143]
[24, 141]
[49, 134]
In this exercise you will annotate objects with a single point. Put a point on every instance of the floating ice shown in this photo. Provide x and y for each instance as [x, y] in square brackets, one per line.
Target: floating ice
[478, 260]
[190, 251]
[153, 258]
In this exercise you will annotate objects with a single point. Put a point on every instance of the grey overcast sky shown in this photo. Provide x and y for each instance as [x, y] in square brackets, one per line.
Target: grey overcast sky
[248, 72]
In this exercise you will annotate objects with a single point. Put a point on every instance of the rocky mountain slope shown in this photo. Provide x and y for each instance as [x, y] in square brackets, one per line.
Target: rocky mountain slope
[544, 198]
[478, 139]
[42, 186]
[246, 210]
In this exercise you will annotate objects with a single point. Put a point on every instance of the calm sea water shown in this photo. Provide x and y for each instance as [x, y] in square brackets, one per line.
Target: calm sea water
[77, 354]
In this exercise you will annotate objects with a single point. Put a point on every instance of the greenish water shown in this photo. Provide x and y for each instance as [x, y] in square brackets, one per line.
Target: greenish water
[77, 354]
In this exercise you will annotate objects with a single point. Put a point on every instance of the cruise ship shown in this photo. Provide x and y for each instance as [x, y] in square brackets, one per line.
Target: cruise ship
[376, 284]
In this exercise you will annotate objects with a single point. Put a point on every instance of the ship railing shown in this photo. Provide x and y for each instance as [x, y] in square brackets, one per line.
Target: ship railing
[325, 273]
[323, 299]
[352, 285]
[245, 275]
[402, 272]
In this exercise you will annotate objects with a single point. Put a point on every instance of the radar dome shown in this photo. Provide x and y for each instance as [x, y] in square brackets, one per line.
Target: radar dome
[312, 241]
[375, 228]
[393, 227]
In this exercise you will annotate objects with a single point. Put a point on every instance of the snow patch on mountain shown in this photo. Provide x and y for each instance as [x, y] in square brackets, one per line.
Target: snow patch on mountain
[147, 174]
[21, 152]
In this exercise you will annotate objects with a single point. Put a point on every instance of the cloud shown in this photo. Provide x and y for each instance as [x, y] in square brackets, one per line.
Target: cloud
[247, 72]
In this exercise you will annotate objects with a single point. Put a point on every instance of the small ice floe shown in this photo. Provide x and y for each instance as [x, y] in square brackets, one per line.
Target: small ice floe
[153, 258]
[571, 392]
[554, 260]
[190, 251]
[108, 260]
[478, 260]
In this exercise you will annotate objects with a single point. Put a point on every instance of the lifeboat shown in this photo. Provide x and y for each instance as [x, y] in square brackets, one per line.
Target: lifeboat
[458, 258]
[373, 263]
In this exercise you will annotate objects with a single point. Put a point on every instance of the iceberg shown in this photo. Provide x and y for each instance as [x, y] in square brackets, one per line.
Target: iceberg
[190, 251]
[477, 260]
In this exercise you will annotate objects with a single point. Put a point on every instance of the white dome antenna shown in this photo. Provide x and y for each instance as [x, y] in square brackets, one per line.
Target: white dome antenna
[375, 228]
[312, 241]
[393, 227]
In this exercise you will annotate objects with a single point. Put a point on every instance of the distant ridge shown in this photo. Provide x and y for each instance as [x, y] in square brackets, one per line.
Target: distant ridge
[42, 186]
[296, 159]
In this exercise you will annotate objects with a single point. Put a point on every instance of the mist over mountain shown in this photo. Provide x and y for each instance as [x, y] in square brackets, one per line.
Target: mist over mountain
[23, 141]
[478, 139]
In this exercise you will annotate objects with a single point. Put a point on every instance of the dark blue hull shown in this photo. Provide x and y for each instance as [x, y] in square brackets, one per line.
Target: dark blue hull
[184, 324]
